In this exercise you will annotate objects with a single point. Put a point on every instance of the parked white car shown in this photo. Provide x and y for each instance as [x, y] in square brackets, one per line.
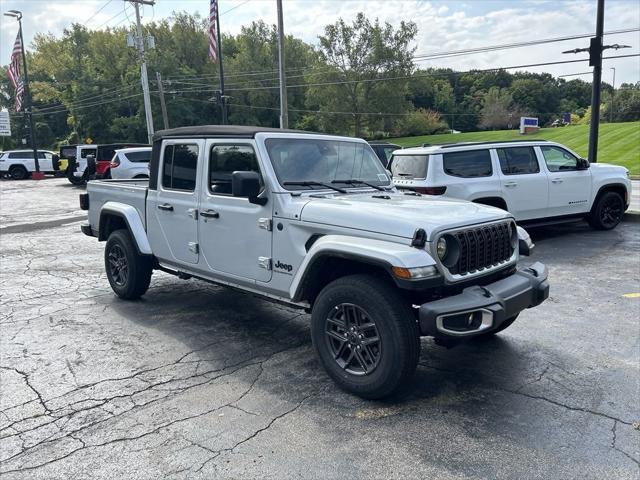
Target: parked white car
[536, 181]
[131, 163]
[19, 164]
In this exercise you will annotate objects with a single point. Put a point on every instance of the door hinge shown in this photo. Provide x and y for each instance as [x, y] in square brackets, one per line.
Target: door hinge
[193, 247]
[265, 224]
[264, 262]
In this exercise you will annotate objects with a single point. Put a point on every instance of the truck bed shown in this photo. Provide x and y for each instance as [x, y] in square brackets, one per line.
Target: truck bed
[129, 192]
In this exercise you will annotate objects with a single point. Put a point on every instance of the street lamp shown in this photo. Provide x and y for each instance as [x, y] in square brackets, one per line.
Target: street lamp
[27, 95]
[613, 93]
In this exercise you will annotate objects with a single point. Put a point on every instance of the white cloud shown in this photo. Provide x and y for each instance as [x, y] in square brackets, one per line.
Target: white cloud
[442, 26]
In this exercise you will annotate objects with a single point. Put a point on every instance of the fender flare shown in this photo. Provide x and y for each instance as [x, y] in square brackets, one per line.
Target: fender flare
[380, 253]
[134, 223]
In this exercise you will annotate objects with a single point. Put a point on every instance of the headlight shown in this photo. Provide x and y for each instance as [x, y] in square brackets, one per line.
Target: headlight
[441, 248]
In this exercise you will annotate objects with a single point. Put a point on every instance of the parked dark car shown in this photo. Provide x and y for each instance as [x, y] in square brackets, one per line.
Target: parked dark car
[384, 150]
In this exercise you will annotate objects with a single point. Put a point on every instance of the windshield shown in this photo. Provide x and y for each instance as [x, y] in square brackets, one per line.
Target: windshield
[409, 167]
[297, 160]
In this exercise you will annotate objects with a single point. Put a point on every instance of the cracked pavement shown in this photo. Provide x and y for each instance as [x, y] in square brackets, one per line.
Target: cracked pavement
[196, 381]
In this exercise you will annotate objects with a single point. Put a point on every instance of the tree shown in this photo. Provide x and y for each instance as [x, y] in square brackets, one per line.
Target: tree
[358, 55]
[498, 110]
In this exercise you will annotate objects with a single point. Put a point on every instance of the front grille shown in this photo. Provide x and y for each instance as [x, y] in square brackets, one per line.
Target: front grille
[483, 247]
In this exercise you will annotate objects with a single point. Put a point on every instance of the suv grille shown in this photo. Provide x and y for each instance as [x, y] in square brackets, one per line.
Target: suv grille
[483, 247]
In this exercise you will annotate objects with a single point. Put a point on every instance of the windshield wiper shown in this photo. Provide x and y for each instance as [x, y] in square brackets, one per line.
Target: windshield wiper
[315, 184]
[354, 181]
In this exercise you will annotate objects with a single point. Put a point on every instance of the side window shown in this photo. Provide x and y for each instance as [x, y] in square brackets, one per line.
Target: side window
[179, 167]
[137, 157]
[469, 164]
[21, 155]
[226, 159]
[558, 159]
[518, 160]
[87, 151]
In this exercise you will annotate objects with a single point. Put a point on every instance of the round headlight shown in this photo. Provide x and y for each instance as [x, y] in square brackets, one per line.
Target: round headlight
[441, 248]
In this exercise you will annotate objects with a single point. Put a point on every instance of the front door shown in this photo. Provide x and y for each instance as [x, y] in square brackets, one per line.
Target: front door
[569, 188]
[235, 235]
[172, 209]
[524, 184]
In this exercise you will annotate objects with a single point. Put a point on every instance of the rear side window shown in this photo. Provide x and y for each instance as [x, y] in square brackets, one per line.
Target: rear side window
[87, 151]
[226, 159]
[518, 160]
[468, 164]
[138, 157]
[179, 167]
[409, 167]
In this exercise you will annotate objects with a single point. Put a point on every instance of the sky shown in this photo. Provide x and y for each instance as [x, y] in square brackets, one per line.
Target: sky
[443, 25]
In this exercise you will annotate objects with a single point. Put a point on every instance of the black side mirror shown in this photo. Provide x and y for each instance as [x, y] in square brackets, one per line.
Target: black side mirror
[91, 166]
[583, 164]
[247, 185]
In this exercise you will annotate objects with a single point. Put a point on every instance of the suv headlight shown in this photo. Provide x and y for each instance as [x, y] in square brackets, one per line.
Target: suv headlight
[441, 248]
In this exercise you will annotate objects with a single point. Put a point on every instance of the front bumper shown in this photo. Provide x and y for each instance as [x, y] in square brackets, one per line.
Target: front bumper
[480, 309]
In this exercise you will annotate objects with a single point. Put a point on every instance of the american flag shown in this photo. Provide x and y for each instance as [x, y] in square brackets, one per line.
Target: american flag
[213, 32]
[14, 72]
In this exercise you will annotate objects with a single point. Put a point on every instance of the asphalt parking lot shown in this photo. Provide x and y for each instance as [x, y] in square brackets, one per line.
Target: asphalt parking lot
[196, 381]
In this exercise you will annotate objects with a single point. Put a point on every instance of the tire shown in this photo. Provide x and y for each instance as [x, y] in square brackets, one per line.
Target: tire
[503, 326]
[18, 172]
[388, 363]
[129, 273]
[608, 211]
[76, 180]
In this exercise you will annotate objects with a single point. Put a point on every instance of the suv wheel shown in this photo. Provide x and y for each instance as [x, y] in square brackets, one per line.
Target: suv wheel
[365, 335]
[18, 172]
[129, 273]
[607, 212]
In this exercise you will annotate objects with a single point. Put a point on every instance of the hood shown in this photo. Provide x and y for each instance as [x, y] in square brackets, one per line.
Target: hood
[607, 167]
[397, 214]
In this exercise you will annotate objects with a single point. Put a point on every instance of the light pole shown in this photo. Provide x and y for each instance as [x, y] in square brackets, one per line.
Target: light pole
[613, 94]
[27, 95]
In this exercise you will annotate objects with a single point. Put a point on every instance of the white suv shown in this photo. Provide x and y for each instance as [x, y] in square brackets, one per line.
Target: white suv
[534, 180]
[19, 164]
[131, 163]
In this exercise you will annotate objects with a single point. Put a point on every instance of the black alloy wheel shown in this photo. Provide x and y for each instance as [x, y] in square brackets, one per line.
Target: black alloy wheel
[611, 211]
[118, 265]
[353, 339]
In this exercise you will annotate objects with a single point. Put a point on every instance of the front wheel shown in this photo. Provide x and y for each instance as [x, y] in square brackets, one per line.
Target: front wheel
[365, 335]
[129, 273]
[607, 212]
[18, 172]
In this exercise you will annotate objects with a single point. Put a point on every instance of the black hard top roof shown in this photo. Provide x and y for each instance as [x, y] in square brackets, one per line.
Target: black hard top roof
[237, 131]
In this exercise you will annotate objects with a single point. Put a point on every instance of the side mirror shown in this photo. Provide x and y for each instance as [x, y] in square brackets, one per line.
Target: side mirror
[583, 164]
[247, 185]
[91, 166]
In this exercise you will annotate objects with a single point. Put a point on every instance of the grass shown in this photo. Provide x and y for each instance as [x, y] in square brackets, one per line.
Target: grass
[618, 143]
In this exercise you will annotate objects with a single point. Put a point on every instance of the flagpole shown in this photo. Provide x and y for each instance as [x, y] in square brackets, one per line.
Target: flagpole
[223, 100]
[27, 94]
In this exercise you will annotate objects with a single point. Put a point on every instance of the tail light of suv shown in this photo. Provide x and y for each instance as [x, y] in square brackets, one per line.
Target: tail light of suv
[430, 190]
[115, 162]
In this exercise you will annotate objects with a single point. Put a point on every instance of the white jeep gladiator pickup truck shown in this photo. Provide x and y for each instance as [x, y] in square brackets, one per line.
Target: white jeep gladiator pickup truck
[536, 180]
[313, 221]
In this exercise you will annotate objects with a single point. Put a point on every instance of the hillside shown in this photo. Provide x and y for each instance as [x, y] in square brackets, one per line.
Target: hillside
[619, 143]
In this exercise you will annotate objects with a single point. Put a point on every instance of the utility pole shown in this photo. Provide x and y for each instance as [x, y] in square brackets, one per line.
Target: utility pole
[595, 60]
[284, 109]
[613, 94]
[163, 106]
[28, 104]
[143, 67]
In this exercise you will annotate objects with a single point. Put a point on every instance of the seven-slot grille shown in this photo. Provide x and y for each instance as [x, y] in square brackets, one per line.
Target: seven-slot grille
[483, 247]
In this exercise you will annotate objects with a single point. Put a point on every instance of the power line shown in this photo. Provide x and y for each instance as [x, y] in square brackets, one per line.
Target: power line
[97, 12]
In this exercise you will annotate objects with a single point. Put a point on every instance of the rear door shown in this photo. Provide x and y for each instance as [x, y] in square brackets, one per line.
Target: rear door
[524, 183]
[172, 215]
[235, 235]
[569, 188]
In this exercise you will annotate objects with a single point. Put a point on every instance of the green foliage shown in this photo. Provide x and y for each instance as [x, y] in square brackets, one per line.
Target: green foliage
[421, 122]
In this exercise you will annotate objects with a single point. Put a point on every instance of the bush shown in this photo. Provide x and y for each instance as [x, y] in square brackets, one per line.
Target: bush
[421, 122]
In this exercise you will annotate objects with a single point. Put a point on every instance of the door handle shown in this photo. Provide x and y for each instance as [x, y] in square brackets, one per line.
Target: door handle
[511, 184]
[209, 214]
[557, 180]
[166, 207]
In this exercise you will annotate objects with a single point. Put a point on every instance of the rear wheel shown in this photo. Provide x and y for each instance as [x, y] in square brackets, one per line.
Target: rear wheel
[607, 212]
[365, 335]
[76, 180]
[18, 172]
[129, 273]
